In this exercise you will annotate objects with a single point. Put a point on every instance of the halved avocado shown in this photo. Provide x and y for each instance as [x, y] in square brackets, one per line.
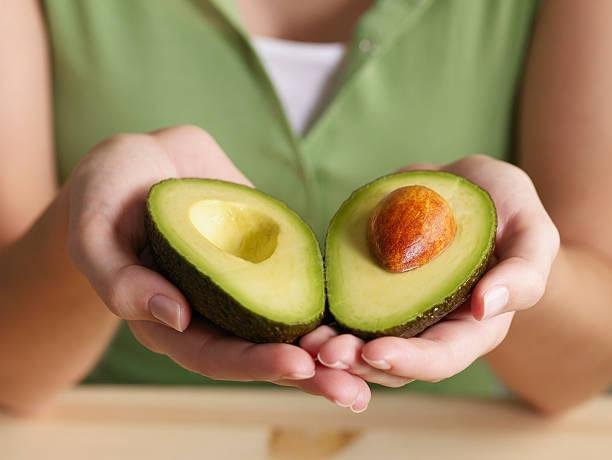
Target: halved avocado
[243, 259]
[370, 301]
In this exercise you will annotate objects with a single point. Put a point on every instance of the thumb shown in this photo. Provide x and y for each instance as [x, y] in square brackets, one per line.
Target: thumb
[130, 290]
[138, 293]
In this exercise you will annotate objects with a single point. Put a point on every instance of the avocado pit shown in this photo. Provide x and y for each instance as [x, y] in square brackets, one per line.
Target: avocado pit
[410, 227]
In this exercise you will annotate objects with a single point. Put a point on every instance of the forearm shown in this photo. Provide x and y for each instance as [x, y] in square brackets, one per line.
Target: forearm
[52, 326]
[560, 352]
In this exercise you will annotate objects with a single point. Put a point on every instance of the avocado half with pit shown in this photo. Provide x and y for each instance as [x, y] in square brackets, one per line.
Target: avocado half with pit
[243, 259]
[405, 250]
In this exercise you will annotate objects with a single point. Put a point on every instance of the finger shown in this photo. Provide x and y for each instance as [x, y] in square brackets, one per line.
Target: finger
[138, 293]
[130, 290]
[277, 363]
[344, 352]
[337, 386]
[363, 400]
[196, 154]
[313, 341]
[441, 351]
[526, 252]
[527, 240]
[210, 352]
[340, 352]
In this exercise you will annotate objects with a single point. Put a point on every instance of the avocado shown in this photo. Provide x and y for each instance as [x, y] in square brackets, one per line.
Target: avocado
[405, 250]
[243, 259]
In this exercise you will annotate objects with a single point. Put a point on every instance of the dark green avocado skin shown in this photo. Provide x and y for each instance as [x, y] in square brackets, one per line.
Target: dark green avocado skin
[210, 301]
[432, 315]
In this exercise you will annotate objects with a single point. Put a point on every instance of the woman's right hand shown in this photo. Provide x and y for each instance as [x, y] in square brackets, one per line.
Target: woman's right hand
[108, 190]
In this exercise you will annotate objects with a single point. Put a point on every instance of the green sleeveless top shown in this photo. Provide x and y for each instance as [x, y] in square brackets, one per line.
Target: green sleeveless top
[424, 80]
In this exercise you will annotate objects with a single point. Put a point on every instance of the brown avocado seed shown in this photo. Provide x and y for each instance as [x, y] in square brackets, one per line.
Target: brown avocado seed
[410, 227]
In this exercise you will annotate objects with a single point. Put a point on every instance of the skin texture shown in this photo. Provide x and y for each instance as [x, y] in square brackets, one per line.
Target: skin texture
[25, 92]
[409, 227]
[564, 146]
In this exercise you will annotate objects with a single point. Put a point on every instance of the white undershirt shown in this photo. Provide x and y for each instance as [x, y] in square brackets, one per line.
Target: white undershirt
[302, 75]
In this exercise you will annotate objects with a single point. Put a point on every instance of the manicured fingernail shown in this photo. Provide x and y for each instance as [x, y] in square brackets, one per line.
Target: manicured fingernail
[360, 404]
[358, 411]
[495, 301]
[334, 365]
[338, 403]
[300, 375]
[166, 310]
[377, 363]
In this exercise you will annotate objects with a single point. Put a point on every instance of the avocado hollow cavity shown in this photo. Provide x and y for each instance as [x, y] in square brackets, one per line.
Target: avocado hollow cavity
[243, 259]
[236, 229]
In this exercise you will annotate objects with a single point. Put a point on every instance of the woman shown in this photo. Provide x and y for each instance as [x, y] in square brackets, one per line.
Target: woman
[399, 83]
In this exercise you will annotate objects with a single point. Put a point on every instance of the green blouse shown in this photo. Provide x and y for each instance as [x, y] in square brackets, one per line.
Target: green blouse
[424, 81]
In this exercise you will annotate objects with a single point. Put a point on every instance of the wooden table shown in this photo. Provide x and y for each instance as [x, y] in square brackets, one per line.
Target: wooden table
[209, 423]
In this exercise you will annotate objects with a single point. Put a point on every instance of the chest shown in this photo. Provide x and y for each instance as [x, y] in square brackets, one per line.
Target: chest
[423, 81]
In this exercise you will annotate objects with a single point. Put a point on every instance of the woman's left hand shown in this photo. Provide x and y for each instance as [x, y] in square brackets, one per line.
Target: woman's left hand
[526, 244]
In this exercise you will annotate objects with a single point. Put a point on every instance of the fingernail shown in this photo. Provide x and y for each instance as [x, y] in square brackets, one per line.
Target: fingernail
[358, 411]
[166, 310]
[377, 363]
[338, 403]
[300, 375]
[495, 301]
[334, 365]
[360, 404]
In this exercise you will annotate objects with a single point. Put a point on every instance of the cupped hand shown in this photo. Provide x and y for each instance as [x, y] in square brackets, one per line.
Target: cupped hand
[108, 190]
[526, 244]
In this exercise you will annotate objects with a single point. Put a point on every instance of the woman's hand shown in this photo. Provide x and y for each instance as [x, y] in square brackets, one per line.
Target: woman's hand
[107, 239]
[526, 245]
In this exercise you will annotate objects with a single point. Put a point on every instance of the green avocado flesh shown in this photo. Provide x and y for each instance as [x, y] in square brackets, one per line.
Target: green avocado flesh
[371, 302]
[243, 259]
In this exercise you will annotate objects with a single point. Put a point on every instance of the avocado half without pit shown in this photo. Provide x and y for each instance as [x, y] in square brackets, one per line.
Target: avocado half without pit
[405, 250]
[243, 259]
